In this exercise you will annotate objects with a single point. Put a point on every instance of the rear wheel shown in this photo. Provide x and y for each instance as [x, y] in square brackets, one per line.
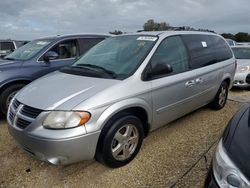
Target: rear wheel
[7, 95]
[220, 98]
[121, 141]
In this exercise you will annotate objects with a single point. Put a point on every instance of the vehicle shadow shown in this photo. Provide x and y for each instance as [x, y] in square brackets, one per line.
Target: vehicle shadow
[2, 117]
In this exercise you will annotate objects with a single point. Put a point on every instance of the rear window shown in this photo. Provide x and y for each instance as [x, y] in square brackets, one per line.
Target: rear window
[241, 53]
[87, 43]
[206, 50]
[9, 46]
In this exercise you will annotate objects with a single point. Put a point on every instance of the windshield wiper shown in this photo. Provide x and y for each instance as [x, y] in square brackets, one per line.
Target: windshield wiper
[109, 72]
[9, 58]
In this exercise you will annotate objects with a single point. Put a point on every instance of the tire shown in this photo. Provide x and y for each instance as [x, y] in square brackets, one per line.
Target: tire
[7, 95]
[120, 141]
[220, 98]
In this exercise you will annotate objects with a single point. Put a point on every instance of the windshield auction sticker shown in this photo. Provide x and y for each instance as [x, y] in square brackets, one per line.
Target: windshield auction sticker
[42, 43]
[204, 44]
[147, 38]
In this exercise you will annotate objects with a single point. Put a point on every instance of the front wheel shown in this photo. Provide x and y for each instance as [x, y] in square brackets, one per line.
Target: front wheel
[121, 142]
[7, 95]
[220, 98]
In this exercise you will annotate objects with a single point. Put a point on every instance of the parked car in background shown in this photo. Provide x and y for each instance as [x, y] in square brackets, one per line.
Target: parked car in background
[243, 43]
[230, 166]
[242, 76]
[40, 57]
[7, 46]
[231, 42]
[116, 93]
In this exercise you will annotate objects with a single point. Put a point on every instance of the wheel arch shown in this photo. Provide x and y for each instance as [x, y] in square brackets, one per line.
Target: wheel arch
[137, 107]
[228, 78]
[12, 82]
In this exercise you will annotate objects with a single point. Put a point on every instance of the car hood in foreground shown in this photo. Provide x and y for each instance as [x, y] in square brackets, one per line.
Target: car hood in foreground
[61, 91]
[236, 140]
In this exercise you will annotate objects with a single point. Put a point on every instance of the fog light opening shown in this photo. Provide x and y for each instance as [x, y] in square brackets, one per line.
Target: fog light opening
[233, 180]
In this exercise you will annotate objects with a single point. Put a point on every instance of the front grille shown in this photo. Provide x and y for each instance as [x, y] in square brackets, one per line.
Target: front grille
[21, 123]
[22, 116]
[30, 112]
[11, 116]
[15, 104]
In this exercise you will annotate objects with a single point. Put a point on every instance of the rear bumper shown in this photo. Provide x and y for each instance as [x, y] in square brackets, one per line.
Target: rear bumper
[57, 151]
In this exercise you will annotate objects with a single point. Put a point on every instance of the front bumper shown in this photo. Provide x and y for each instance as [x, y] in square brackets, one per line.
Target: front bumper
[57, 151]
[242, 79]
[210, 180]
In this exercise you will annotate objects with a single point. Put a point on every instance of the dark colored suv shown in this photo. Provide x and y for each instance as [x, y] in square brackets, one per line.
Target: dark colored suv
[8, 46]
[38, 58]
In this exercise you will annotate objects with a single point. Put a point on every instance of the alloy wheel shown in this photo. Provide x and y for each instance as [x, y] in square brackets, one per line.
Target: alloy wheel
[222, 96]
[125, 142]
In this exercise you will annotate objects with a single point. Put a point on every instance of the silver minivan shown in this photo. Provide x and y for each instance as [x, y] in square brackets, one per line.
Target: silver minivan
[115, 94]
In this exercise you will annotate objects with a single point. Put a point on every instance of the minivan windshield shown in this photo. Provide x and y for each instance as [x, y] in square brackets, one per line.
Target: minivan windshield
[29, 50]
[118, 56]
[241, 53]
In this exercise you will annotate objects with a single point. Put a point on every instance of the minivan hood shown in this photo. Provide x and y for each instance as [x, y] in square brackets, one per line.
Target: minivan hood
[61, 91]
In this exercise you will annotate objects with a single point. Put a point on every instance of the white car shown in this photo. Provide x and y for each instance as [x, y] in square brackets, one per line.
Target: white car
[242, 55]
[231, 42]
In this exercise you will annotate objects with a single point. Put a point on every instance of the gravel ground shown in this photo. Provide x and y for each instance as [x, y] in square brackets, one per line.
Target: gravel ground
[241, 95]
[172, 156]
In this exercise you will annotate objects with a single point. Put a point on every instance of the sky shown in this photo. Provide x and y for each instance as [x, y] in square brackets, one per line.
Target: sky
[30, 19]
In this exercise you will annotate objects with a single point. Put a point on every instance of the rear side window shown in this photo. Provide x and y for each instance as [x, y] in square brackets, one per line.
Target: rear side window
[241, 53]
[87, 43]
[7, 46]
[206, 50]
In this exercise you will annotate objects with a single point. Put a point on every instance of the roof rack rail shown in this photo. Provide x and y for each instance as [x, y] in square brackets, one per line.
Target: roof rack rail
[183, 28]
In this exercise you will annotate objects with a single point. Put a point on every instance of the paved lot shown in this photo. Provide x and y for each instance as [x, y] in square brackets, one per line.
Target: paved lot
[176, 155]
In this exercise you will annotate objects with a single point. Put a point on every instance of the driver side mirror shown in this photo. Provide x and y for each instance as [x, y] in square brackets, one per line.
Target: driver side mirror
[160, 69]
[50, 55]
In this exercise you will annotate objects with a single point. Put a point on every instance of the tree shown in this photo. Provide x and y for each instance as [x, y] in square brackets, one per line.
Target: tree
[116, 32]
[239, 37]
[228, 36]
[151, 25]
[242, 37]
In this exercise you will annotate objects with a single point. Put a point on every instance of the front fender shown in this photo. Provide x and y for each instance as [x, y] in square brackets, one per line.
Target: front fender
[106, 113]
[9, 81]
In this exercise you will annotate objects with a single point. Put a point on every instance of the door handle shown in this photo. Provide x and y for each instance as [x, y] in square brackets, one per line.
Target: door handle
[198, 80]
[190, 83]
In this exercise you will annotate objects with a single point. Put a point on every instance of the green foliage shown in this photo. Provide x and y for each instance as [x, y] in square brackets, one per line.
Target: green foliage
[116, 32]
[239, 37]
[151, 25]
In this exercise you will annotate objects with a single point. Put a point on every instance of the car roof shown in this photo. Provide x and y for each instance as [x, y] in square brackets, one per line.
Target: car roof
[77, 35]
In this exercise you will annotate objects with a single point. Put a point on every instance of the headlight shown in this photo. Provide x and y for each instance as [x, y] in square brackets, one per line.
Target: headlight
[65, 119]
[245, 69]
[226, 173]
